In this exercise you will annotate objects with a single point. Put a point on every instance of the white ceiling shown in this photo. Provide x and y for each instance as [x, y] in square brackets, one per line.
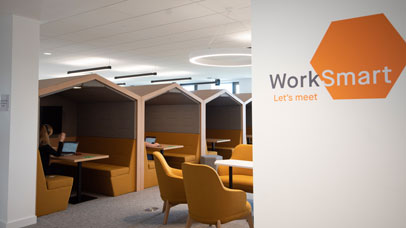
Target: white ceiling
[139, 36]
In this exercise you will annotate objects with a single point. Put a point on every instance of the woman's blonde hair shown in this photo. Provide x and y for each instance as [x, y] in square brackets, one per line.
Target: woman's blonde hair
[45, 131]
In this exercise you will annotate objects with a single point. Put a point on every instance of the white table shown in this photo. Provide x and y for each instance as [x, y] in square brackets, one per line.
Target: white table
[213, 142]
[234, 163]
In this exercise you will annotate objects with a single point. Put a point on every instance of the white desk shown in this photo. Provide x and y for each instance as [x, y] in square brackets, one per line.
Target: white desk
[234, 163]
[213, 142]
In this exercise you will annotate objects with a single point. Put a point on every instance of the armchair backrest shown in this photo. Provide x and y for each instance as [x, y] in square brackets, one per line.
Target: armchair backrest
[170, 184]
[205, 193]
[241, 152]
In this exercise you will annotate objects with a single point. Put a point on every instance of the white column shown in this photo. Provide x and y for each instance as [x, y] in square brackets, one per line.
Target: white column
[323, 162]
[245, 85]
[19, 48]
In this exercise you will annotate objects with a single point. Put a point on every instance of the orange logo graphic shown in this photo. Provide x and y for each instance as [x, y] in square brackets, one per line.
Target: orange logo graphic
[360, 57]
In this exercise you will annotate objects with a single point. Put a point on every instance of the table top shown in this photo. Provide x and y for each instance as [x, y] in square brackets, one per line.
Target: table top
[81, 158]
[213, 140]
[235, 163]
[166, 147]
[249, 136]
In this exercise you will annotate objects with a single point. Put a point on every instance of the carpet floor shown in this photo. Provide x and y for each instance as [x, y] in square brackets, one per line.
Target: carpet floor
[124, 211]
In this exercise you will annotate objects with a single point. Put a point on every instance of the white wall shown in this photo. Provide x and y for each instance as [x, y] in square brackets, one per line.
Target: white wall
[328, 163]
[19, 72]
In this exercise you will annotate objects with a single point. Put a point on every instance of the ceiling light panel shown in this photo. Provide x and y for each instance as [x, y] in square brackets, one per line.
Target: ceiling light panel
[135, 68]
[87, 61]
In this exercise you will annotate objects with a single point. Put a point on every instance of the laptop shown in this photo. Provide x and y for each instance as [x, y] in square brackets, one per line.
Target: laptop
[150, 139]
[69, 148]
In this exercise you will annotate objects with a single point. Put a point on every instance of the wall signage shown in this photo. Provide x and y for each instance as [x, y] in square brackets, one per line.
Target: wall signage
[4, 103]
[358, 58]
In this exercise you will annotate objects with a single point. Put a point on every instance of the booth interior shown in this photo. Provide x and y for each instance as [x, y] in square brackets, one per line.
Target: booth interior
[172, 117]
[224, 120]
[101, 117]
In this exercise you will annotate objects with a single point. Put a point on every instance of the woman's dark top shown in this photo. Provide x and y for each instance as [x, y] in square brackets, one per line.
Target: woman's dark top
[45, 151]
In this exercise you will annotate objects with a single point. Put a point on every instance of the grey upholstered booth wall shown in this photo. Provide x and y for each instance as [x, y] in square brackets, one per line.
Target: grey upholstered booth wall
[69, 112]
[224, 117]
[173, 118]
[107, 119]
[249, 115]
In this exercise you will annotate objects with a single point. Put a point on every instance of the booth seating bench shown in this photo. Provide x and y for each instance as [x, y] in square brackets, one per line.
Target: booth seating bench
[225, 149]
[53, 191]
[113, 176]
[242, 178]
[189, 153]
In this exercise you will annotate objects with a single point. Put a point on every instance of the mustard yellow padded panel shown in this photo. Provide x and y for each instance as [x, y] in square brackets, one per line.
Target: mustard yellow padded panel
[119, 150]
[234, 135]
[56, 181]
[50, 200]
[191, 142]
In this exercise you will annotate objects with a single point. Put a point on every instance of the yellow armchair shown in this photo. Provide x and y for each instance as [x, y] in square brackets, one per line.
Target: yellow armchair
[209, 201]
[53, 191]
[242, 178]
[170, 182]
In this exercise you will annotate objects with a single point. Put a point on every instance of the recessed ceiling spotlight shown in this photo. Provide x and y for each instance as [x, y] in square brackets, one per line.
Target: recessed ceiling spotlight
[222, 57]
[244, 36]
[47, 53]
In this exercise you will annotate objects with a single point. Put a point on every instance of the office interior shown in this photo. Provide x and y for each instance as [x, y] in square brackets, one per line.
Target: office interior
[148, 107]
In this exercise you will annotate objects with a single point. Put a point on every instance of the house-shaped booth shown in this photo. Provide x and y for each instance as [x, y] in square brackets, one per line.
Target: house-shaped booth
[246, 98]
[222, 118]
[172, 115]
[102, 117]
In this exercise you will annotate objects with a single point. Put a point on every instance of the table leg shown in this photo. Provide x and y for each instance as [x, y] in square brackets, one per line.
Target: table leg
[213, 146]
[230, 177]
[79, 198]
[79, 183]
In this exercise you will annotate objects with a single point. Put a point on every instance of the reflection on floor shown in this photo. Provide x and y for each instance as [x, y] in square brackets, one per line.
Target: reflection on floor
[124, 211]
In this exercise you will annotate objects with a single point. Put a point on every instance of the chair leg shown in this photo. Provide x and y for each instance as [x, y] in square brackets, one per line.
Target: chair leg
[163, 208]
[167, 208]
[189, 222]
[250, 221]
[218, 225]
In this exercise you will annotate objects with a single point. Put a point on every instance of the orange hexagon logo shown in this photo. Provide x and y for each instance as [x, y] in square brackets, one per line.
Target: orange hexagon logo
[360, 58]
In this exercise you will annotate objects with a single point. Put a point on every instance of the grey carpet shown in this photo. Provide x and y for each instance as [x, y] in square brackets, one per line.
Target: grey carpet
[124, 211]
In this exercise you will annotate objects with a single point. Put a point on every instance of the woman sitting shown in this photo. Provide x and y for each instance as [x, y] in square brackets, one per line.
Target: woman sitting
[46, 150]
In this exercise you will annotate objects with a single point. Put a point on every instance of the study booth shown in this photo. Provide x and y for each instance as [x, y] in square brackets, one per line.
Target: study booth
[171, 115]
[246, 98]
[102, 118]
[222, 121]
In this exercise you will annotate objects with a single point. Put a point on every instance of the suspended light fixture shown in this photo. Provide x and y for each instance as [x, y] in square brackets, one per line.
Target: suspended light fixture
[222, 57]
[170, 80]
[216, 82]
[135, 75]
[90, 69]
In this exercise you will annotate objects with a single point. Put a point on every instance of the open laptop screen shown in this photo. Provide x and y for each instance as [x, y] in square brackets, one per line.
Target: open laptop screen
[150, 139]
[70, 147]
